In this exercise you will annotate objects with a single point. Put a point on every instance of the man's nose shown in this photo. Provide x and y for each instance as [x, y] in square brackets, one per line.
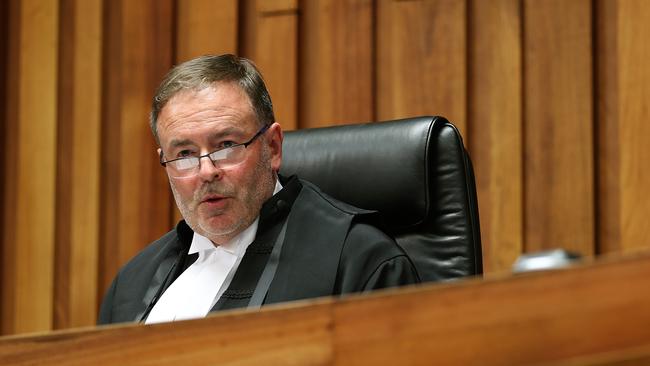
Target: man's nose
[208, 170]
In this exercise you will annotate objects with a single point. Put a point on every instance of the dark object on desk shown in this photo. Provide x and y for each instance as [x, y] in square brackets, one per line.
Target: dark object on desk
[415, 172]
[548, 259]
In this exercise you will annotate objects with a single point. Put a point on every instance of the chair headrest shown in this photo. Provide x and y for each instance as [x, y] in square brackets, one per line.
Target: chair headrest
[382, 166]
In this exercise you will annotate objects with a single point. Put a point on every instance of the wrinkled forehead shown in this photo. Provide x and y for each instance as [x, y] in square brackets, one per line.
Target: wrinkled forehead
[225, 101]
[230, 90]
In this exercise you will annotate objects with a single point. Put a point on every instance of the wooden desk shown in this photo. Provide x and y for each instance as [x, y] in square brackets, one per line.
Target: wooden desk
[593, 314]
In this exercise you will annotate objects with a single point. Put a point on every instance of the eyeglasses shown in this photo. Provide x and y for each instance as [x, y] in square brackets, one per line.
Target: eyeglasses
[228, 157]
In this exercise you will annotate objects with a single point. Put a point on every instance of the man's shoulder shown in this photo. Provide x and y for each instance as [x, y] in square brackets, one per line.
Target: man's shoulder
[364, 238]
[124, 299]
[314, 193]
[371, 259]
[153, 253]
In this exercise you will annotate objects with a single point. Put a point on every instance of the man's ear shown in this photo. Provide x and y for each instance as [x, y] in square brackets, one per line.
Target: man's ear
[274, 141]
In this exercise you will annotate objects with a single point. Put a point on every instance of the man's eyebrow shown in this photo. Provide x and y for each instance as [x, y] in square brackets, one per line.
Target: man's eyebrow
[180, 143]
[228, 131]
[218, 135]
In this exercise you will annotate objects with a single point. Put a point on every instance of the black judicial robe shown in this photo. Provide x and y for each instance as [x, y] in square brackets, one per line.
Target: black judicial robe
[329, 248]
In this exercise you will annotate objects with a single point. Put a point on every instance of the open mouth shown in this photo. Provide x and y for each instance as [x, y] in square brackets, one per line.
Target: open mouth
[214, 200]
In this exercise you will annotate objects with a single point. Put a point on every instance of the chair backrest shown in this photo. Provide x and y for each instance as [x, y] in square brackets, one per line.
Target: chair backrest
[414, 171]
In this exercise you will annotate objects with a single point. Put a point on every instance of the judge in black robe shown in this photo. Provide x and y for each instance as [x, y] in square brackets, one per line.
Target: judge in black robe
[307, 245]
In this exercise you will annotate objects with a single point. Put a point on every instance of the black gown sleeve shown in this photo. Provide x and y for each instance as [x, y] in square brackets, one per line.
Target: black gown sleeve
[397, 271]
[372, 260]
[106, 309]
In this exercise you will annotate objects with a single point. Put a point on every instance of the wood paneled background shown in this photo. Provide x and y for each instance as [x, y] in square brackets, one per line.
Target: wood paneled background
[550, 95]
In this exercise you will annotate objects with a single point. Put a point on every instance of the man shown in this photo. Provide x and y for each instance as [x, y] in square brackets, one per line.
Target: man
[249, 237]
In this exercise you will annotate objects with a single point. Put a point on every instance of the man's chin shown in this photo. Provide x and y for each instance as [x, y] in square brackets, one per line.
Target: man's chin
[216, 231]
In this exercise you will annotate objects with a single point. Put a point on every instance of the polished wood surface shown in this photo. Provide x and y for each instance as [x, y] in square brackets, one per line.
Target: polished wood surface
[623, 94]
[421, 59]
[592, 314]
[495, 104]
[205, 27]
[633, 356]
[78, 174]
[30, 166]
[558, 115]
[336, 59]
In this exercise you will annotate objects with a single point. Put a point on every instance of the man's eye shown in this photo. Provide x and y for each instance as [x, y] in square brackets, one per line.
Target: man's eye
[227, 144]
[185, 154]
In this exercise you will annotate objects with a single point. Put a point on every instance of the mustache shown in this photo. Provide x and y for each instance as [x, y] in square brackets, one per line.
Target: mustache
[213, 188]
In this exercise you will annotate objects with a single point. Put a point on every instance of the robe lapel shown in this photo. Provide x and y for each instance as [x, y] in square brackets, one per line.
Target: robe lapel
[170, 267]
[310, 256]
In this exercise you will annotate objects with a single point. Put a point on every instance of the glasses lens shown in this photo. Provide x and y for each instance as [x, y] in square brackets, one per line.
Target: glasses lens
[228, 157]
[183, 167]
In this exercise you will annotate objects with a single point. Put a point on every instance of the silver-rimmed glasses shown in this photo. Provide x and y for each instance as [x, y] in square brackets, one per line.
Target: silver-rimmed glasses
[227, 157]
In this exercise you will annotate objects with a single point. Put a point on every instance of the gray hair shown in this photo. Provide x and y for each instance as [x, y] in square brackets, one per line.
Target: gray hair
[203, 71]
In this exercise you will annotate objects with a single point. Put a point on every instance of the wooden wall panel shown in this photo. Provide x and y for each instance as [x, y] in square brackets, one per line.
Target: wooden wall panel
[529, 319]
[78, 152]
[30, 176]
[623, 149]
[9, 104]
[135, 193]
[608, 135]
[271, 40]
[558, 117]
[421, 59]
[495, 126]
[336, 62]
[205, 27]
[9, 164]
[4, 99]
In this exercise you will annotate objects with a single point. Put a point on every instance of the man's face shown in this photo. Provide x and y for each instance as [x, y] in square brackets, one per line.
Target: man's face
[217, 202]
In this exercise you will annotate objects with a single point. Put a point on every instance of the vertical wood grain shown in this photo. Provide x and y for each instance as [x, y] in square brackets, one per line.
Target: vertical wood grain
[634, 22]
[558, 112]
[4, 98]
[28, 245]
[495, 126]
[9, 164]
[623, 131]
[607, 129]
[135, 193]
[421, 59]
[205, 27]
[336, 62]
[78, 165]
[270, 39]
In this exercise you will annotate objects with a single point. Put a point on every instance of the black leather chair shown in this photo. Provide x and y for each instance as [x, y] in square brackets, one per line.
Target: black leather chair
[414, 171]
